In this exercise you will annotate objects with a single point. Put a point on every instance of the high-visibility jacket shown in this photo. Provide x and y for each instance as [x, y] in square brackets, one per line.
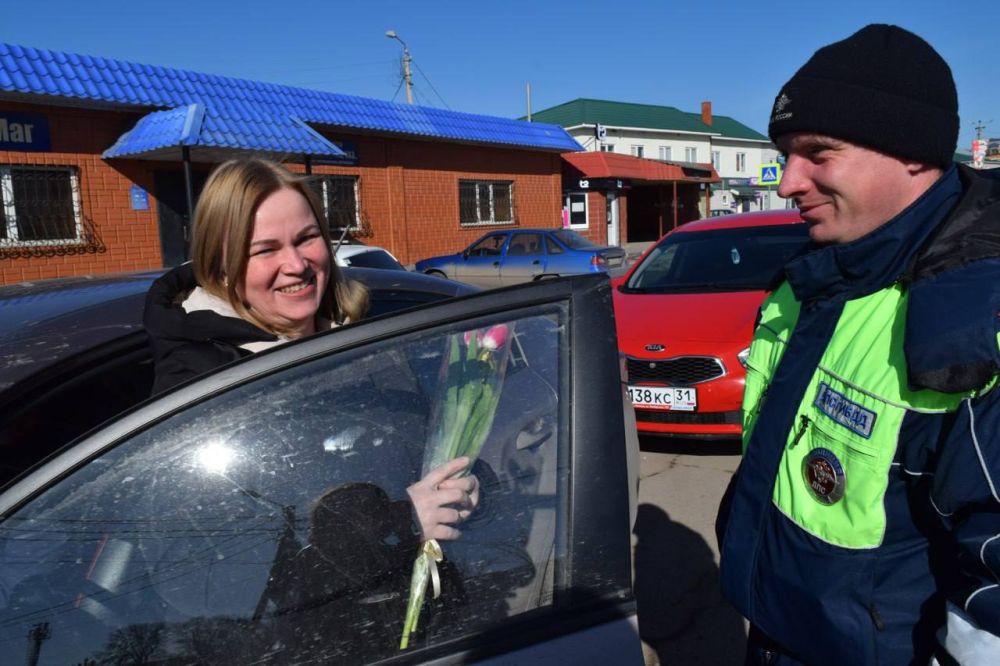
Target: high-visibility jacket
[863, 525]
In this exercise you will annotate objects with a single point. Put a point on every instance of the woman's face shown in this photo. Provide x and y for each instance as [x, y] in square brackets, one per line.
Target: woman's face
[289, 264]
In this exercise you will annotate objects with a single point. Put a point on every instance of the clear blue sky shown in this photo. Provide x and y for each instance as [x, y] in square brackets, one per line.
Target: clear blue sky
[477, 55]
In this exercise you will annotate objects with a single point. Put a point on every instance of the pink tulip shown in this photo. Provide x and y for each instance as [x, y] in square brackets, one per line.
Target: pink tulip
[495, 337]
[467, 337]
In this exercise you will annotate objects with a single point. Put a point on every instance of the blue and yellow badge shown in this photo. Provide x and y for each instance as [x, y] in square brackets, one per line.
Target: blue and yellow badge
[824, 475]
[851, 415]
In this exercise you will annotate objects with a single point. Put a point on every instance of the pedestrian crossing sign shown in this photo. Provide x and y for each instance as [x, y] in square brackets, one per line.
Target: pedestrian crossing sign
[770, 174]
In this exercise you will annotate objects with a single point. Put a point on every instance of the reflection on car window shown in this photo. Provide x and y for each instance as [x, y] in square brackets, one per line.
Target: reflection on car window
[268, 524]
[489, 246]
[552, 246]
[719, 260]
[573, 240]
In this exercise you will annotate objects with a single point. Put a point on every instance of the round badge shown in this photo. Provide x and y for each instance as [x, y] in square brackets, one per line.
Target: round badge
[824, 475]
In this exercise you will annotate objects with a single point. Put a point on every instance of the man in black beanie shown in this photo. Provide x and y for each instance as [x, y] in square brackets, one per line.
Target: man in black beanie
[863, 525]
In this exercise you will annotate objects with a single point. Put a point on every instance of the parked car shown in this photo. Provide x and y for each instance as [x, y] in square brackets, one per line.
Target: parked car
[365, 256]
[513, 256]
[685, 313]
[188, 528]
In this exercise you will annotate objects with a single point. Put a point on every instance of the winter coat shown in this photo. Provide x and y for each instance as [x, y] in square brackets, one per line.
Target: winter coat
[861, 527]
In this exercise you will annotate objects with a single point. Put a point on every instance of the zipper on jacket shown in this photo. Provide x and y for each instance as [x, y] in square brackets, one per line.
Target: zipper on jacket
[804, 425]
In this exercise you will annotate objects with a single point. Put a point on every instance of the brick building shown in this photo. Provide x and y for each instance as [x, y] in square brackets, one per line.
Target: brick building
[101, 159]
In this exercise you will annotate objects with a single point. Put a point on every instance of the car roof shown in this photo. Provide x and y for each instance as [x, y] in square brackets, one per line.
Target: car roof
[761, 218]
[47, 321]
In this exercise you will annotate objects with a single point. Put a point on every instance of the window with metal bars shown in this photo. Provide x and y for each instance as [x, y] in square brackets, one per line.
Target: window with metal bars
[482, 202]
[339, 197]
[39, 205]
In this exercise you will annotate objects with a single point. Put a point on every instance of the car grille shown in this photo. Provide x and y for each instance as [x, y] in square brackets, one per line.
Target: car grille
[688, 418]
[680, 371]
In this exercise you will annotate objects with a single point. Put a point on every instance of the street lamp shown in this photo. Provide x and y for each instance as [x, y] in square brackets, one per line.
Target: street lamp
[391, 34]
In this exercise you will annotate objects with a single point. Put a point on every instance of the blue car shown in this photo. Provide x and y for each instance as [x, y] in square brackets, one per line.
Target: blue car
[512, 256]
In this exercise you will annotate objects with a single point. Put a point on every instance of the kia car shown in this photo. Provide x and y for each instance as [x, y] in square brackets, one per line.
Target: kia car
[685, 314]
[195, 527]
[512, 256]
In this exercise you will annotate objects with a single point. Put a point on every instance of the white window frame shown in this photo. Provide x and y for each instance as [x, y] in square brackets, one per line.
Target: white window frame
[607, 147]
[10, 209]
[324, 181]
[665, 153]
[716, 159]
[567, 202]
[638, 150]
[741, 162]
[492, 222]
[691, 154]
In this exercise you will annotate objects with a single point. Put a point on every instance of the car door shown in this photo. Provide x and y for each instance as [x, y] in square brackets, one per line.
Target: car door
[524, 259]
[480, 263]
[259, 515]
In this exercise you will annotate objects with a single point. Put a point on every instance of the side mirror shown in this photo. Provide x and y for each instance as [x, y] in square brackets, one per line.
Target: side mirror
[465, 254]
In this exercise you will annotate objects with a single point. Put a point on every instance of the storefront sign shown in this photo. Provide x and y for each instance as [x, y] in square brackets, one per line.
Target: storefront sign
[601, 184]
[350, 157]
[139, 198]
[24, 131]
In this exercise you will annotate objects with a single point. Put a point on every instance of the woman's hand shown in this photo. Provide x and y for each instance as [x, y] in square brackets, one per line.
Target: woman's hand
[442, 502]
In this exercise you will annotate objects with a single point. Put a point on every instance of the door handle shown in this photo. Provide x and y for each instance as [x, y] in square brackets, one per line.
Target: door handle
[536, 262]
[496, 264]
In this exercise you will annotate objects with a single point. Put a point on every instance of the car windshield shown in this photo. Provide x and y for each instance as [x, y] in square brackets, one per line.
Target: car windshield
[573, 240]
[743, 259]
[372, 259]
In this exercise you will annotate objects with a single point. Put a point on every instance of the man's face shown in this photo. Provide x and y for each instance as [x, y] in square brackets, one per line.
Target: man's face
[843, 190]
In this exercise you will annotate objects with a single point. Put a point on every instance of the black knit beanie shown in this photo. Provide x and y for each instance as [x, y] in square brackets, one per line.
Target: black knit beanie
[883, 87]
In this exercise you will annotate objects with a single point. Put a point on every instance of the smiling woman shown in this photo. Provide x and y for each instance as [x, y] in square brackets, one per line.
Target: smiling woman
[262, 275]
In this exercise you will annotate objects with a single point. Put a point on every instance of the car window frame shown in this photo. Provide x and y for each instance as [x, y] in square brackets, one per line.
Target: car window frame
[593, 587]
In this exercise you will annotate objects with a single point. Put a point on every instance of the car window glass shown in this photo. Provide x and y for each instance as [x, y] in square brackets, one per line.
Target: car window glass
[720, 260]
[488, 247]
[552, 246]
[269, 523]
[525, 244]
[372, 259]
[573, 240]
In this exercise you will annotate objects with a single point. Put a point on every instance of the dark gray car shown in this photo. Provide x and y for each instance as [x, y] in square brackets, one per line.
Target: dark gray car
[185, 530]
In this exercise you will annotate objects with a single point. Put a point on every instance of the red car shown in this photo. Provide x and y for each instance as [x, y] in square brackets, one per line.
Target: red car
[685, 314]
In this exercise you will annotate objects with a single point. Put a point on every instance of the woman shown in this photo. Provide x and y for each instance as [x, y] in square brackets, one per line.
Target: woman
[262, 274]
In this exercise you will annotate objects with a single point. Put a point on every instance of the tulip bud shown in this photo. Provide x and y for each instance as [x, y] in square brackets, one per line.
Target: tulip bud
[495, 337]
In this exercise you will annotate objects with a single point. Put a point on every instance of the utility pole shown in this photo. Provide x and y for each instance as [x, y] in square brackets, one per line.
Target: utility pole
[407, 77]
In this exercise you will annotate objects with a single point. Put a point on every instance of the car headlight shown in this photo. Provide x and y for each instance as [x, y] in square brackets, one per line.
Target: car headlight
[742, 356]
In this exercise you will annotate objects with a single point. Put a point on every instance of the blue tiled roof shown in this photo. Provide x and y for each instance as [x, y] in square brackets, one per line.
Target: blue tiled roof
[245, 114]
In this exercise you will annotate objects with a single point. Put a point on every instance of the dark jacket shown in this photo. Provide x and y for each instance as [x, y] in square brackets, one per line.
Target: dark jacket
[184, 344]
[825, 604]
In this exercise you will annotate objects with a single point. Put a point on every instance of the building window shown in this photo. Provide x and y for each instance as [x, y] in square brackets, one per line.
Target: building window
[576, 204]
[690, 154]
[741, 162]
[485, 202]
[716, 160]
[637, 151]
[665, 153]
[339, 198]
[39, 205]
[607, 147]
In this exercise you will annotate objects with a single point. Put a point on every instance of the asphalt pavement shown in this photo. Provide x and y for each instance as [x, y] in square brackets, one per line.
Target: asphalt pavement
[683, 618]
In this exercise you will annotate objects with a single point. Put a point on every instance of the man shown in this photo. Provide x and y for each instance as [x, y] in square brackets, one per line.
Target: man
[863, 526]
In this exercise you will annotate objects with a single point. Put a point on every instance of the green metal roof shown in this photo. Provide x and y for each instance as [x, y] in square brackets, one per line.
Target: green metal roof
[624, 114]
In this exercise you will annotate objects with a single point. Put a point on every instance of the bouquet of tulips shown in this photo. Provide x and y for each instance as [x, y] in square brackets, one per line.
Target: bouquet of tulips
[468, 393]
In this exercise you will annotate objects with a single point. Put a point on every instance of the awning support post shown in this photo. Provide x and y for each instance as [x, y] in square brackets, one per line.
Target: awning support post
[189, 193]
[675, 204]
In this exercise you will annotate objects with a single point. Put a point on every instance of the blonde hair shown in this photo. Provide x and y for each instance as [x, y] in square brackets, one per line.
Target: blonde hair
[223, 229]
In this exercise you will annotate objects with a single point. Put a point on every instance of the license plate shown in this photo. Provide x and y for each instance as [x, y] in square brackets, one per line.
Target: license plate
[659, 397]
